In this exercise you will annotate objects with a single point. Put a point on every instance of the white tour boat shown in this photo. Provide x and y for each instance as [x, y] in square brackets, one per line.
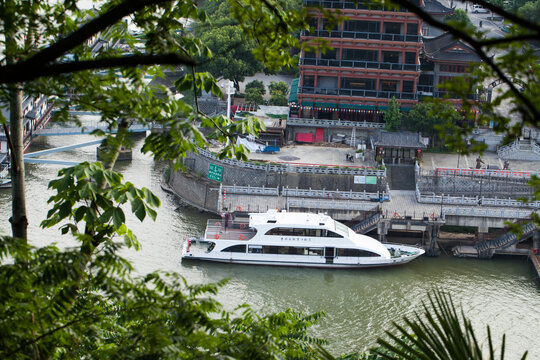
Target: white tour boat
[293, 239]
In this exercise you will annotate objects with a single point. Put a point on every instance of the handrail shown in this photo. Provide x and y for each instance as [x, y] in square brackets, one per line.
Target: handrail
[328, 204]
[359, 64]
[472, 200]
[483, 212]
[482, 172]
[334, 194]
[295, 168]
[357, 92]
[251, 190]
[362, 35]
[333, 123]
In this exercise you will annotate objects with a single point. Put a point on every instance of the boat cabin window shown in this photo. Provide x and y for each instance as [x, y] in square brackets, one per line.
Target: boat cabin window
[356, 253]
[235, 249]
[285, 250]
[255, 249]
[302, 232]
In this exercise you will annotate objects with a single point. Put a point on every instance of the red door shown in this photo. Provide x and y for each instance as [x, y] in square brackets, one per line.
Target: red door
[319, 135]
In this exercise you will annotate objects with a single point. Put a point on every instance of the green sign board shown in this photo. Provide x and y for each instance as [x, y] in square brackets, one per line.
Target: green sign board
[371, 180]
[215, 172]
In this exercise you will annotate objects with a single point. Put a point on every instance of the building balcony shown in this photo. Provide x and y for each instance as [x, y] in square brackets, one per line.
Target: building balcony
[357, 93]
[360, 64]
[432, 91]
[339, 34]
[349, 5]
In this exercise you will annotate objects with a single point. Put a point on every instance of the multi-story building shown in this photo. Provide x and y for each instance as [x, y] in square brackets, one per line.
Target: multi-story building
[444, 58]
[375, 57]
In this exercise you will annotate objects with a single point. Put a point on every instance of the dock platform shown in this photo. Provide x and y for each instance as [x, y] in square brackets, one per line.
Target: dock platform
[535, 260]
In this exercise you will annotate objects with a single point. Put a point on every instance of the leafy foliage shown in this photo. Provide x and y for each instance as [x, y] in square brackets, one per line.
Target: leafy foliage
[459, 18]
[431, 119]
[392, 116]
[278, 93]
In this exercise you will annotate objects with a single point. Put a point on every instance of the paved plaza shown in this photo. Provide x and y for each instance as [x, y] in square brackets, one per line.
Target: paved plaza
[330, 155]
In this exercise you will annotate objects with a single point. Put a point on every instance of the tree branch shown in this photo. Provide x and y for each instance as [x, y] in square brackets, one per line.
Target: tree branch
[88, 30]
[23, 72]
[509, 39]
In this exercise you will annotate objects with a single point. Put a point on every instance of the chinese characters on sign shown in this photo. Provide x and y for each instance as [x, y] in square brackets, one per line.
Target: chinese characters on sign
[215, 172]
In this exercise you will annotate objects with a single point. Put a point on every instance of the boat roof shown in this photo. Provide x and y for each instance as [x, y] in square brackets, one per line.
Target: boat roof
[290, 219]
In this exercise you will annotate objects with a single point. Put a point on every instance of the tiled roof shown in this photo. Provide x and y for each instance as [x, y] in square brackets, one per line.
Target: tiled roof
[440, 48]
[433, 7]
[402, 139]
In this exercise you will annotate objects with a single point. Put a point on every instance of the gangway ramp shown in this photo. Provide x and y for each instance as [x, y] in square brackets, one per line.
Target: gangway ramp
[33, 157]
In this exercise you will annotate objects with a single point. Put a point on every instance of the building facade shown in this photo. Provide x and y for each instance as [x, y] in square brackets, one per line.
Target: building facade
[375, 56]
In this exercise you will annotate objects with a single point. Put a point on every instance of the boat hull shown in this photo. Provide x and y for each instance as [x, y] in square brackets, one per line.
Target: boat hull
[190, 255]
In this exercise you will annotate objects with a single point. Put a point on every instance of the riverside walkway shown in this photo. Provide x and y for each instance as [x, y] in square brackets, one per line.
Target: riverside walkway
[403, 203]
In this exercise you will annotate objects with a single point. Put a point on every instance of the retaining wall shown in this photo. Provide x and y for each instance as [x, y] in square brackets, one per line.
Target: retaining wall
[197, 192]
[234, 175]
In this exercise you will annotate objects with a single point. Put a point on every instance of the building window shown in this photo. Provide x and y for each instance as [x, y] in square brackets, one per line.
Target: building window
[390, 57]
[330, 54]
[389, 85]
[360, 55]
[412, 29]
[392, 28]
[358, 84]
[408, 86]
[362, 26]
[410, 58]
[309, 81]
[452, 68]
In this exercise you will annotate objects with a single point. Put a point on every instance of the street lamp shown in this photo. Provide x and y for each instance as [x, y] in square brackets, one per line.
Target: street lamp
[230, 90]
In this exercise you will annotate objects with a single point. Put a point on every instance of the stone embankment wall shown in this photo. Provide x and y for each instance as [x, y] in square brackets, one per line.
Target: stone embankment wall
[201, 193]
[474, 186]
[235, 175]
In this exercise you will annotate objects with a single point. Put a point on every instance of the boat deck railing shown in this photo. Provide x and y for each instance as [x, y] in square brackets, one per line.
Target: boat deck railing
[221, 229]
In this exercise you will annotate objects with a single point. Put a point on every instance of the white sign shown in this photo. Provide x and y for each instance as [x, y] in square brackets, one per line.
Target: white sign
[359, 179]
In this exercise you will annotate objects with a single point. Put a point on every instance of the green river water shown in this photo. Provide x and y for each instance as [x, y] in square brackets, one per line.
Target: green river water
[359, 304]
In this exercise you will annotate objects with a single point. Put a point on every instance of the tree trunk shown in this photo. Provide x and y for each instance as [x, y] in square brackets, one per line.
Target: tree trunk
[18, 220]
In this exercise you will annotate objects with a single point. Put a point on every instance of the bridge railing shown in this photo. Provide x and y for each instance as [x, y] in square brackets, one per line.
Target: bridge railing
[480, 172]
[335, 194]
[472, 200]
[484, 212]
[250, 190]
[314, 169]
[327, 204]
[333, 123]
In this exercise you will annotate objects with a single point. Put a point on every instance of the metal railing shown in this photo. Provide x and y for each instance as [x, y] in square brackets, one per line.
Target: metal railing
[362, 35]
[314, 169]
[506, 240]
[481, 172]
[333, 123]
[336, 4]
[328, 204]
[472, 200]
[359, 93]
[483, 212]
[250, 190]
[360, 64]
[516, 146]
[335, 194]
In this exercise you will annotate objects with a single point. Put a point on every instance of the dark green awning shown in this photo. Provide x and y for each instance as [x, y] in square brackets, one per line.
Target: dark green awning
[293, 95]
[357, 106]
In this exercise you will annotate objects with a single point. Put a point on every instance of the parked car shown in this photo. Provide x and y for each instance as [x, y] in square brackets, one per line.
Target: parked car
[478, 9]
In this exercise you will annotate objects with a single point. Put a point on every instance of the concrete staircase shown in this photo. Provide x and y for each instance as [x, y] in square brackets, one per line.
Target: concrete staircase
[365, 226]
[401, 177]
[487, 248]
[520, 150]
